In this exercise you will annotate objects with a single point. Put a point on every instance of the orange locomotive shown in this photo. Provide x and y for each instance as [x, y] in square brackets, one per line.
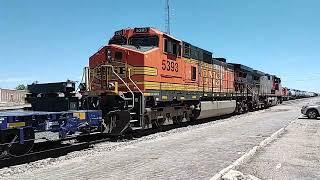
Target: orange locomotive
[145, 78]
[156, 63]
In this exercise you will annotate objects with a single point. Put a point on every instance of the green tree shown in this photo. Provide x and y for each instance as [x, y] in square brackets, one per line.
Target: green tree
[21, 87]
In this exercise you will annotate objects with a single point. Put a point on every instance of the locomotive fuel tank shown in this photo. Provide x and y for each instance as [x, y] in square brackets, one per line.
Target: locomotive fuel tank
[216, 108]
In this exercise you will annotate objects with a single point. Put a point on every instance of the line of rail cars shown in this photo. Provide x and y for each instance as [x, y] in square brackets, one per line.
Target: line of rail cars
[297, 94]
[142, 79]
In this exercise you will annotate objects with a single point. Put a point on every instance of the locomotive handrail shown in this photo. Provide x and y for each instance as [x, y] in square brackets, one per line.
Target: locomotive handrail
[113, 71]
[255, 94]
[142, 103]
[129, 76]
[250, 89]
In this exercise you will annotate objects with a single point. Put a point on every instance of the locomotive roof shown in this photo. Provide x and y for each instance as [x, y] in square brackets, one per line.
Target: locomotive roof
[221, 59]
[170, 36]
[242, 67]
[259, 72]
[217, 62]
[230, 66]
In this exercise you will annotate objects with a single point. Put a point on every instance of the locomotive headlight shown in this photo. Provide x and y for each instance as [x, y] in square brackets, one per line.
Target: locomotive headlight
[111, 86]
[109, 57]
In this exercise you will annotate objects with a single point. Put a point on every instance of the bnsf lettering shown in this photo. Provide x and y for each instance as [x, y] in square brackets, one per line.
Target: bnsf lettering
[170, 65]
[104, 71]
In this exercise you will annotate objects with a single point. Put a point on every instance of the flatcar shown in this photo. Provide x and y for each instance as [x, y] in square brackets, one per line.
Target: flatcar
[54, 115]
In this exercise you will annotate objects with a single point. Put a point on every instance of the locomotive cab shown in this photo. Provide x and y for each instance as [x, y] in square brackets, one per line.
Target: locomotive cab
[126, 74]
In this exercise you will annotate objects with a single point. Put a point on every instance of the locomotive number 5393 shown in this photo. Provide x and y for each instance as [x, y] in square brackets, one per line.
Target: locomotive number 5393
[170, 65]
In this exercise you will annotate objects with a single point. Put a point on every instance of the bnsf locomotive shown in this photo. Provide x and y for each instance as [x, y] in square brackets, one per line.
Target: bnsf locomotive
[145, 78]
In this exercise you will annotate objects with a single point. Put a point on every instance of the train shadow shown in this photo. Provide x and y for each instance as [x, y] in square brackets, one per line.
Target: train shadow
[317, 119]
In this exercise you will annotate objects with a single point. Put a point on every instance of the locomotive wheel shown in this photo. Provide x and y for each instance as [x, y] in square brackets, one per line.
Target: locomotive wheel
[177, 120]
[157, 123]
[241, 109]
[2, 151]
[19, 149]
[195, 115]
[249, 106]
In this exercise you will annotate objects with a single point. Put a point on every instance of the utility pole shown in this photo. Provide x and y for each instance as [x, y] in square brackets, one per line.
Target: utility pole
[167, 17]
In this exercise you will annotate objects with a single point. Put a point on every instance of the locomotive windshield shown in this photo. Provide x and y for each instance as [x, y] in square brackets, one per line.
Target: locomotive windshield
[119, 40]
[144, 41]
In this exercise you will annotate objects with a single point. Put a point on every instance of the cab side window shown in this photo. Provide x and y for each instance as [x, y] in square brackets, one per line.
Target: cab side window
[193, 73]
[172, 47]
[186, 50]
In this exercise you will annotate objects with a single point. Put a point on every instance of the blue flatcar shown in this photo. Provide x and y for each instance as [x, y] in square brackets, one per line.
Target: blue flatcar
[19, 130]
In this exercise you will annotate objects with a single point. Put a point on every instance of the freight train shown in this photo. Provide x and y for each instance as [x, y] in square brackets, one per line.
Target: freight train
[143, 78]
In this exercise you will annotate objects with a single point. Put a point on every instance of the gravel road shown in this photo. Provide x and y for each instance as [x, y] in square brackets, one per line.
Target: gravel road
[193, 152]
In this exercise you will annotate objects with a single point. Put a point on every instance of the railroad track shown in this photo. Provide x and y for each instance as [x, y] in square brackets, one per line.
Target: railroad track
[55, 149]
[52, 149]
[42, 150]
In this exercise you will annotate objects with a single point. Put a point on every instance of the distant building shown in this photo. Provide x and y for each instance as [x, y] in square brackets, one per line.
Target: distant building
[12, 96]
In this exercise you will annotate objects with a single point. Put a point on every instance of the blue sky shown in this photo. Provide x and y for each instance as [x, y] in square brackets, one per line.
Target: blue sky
[52, 40]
